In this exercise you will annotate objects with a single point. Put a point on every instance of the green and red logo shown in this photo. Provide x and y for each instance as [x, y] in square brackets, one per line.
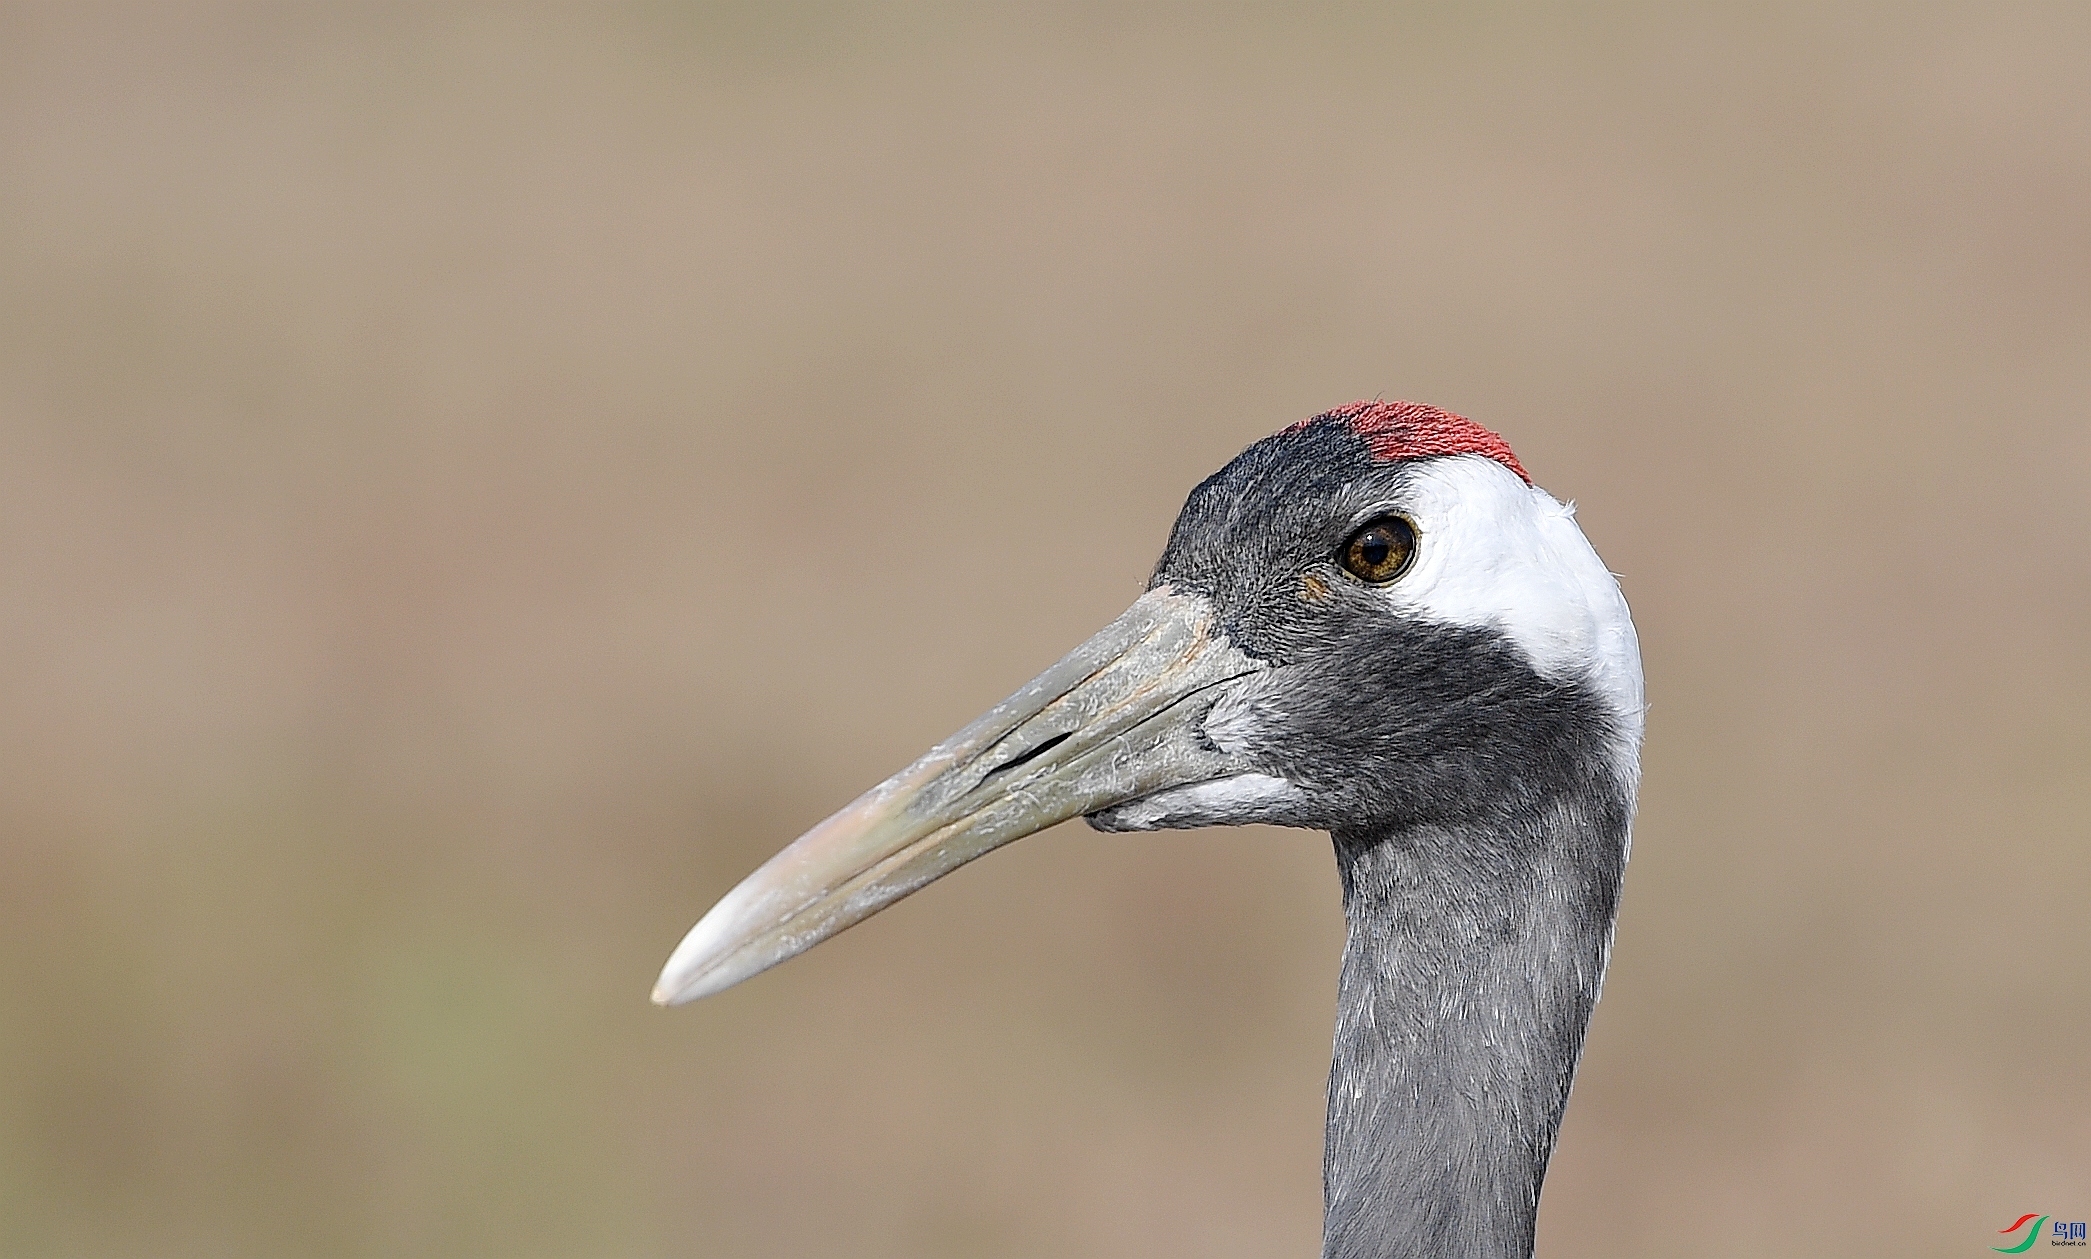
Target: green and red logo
[2067, 1233]
[2032, 1235]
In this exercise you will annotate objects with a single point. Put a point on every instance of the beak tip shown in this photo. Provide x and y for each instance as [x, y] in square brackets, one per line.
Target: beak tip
[692, 970]
[682, 982]
[675, 987]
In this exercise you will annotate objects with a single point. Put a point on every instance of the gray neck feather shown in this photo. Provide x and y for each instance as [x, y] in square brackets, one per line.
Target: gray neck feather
[1473, 961]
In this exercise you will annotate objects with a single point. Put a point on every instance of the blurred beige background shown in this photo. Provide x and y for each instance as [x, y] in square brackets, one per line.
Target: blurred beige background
[475, 481]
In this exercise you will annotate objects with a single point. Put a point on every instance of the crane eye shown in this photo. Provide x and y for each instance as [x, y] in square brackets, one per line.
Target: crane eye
[1381, 550]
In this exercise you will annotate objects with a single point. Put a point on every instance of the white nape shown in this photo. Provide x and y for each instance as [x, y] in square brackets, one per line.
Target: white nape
[1494, 552]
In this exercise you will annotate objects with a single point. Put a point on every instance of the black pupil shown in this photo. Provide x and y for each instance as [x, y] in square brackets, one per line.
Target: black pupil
[1375, 548]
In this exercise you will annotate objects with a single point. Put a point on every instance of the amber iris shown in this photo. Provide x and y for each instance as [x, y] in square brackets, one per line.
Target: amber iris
[1381, 550]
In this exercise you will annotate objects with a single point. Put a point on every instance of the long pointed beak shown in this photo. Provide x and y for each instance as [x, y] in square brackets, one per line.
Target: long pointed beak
[1117, 719]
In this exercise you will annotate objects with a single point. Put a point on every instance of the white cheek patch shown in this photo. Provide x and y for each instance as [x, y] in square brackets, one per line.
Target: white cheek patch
[1231, 723]
[1235, 801]
[1493, 552]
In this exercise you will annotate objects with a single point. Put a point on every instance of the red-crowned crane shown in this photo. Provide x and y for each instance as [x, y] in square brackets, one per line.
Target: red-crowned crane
[1372, 624]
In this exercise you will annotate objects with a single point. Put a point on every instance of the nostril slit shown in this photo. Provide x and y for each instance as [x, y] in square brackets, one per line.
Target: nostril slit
[1027, 757]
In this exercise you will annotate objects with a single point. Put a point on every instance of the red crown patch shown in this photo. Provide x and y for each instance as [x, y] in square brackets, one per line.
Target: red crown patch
[1412, 430]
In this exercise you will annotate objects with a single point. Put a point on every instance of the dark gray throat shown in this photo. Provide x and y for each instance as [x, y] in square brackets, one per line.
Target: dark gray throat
[1472, 964]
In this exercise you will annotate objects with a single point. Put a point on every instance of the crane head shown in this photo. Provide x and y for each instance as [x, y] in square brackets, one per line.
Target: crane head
[1369, 620]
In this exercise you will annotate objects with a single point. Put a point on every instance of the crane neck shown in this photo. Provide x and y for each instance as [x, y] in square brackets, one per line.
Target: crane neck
[1472, 963]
